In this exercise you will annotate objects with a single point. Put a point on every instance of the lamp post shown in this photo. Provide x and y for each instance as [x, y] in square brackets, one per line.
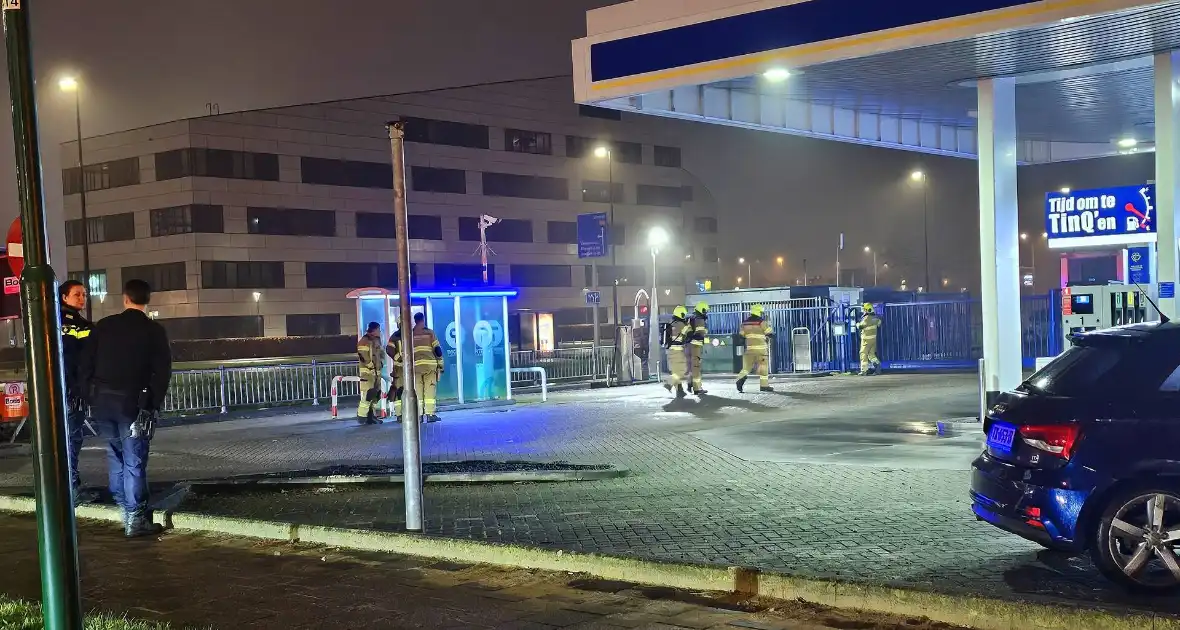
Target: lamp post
[870, 250]
[749, 272]
[920, 177]
[70, 84]
[605, 153]
[657, 237]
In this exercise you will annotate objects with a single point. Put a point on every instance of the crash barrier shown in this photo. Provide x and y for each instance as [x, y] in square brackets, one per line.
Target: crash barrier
[543, 377]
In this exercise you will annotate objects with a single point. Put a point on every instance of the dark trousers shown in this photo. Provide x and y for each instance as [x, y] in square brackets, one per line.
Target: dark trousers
[127, 457]
[75, 421]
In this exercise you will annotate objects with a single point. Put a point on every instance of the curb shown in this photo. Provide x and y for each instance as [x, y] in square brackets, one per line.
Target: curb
[538, 476]
[982, 613]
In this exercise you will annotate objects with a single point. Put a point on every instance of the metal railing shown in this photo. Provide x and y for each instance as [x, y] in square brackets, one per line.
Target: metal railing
[562, 365]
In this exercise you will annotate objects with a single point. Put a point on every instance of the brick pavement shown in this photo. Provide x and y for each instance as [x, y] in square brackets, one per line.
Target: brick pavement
[687, 499]
[221, 582]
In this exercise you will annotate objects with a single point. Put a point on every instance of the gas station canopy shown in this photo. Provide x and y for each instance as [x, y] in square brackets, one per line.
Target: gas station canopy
[894, 74]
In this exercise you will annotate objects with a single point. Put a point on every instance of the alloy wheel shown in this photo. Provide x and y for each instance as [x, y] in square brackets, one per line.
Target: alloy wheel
[1142, 540]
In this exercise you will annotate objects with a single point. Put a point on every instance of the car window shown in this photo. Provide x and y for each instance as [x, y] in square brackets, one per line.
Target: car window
[1076, 371]
[1172, 383]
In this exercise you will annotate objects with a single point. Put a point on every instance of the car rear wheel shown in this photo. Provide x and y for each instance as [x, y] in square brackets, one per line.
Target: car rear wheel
[1135, 543]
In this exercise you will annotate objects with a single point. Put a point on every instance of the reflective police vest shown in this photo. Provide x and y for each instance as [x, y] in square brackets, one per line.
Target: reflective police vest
[755, 331]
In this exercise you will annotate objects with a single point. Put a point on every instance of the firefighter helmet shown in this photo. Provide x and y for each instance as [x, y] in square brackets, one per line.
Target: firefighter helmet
[757, 310]
[868, 307]
[702, 308]
[680, 312]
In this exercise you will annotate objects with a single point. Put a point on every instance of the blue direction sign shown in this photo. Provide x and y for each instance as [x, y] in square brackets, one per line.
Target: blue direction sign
[1139, 265]
[592, 235]
[593, 297]
[1167, 290]
[1101, 217]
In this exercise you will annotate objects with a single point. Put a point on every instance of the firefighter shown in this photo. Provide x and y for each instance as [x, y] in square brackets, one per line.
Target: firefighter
[698, 337]
[756, 333]
[428, 366]
[393, 348]
[372, 360]
[675, 340]
[868, 325]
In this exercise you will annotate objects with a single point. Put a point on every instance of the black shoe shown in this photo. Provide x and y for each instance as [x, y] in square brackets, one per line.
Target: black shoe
[668, 386]
[701, 392]
[84, 497]
[140, 525]
[680, 393]
[741, 382]
[768, 388]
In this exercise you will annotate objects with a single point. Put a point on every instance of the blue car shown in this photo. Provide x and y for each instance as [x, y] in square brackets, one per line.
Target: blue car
[1085, 455]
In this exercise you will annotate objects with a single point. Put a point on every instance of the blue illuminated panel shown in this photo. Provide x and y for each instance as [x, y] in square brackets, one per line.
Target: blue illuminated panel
[799, 24]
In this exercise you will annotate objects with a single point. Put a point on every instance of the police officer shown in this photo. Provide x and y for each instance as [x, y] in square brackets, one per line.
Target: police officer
[75, 334]
[756, 333]
[675, 340]
[372, 361]
[868, 325]
[393, 348]
[124, 372]
[428, 366]
[696, 345]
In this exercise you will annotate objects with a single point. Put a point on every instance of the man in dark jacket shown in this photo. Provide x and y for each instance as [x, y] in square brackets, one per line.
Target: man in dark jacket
[75, 335]
[125, 370]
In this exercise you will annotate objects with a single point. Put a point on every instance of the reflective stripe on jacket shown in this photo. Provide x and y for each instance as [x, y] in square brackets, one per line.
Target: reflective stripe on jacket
[755, 331]
[679, 332]
[868, 326]
[368, 350]
[700, 330]
[427, 351]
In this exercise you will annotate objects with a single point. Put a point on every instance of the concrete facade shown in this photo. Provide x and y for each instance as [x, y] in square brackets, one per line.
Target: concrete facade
[561, 134]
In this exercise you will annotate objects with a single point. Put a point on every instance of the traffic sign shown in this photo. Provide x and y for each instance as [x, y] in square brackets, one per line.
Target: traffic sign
[1167, 290]
[592, 234]
[16, 248]
[593, 297]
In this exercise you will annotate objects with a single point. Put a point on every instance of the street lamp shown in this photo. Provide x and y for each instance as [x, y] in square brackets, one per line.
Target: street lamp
[1032, 252]
[749, 270]
[919, 176]
[657, 237]
[70, 84]
[604, 152]
[779, 260]
[870, 250]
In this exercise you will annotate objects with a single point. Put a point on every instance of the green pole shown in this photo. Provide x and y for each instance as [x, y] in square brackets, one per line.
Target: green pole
[56, 536]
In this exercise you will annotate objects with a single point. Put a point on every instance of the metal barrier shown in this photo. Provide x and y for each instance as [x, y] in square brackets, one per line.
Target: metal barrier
[801, 349]
[544, 379]
[382, 405]
[564, 364]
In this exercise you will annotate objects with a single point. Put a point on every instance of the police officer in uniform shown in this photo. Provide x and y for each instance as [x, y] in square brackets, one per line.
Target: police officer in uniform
[428, 366]
[756, 333]
[372, 360]
[674, 341]
[393, 348]
[868, 326]
[75, 334]
[696, 345]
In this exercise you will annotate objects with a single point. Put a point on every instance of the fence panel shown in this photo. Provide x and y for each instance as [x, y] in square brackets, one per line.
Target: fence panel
[928, 335]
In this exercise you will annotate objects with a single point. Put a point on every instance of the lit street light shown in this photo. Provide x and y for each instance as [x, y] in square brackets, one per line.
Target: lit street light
[70, 84]
[920, 177]
[779, 260]
[749, 270]
[870, 250]
[604, 152]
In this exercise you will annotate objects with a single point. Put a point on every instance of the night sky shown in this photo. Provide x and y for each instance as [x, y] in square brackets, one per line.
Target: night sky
[148, 61]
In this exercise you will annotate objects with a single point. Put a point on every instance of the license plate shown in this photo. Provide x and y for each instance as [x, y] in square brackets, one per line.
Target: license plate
[1000, 437]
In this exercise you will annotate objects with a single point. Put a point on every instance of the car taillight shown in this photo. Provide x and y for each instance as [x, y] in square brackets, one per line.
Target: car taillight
[1056, 439]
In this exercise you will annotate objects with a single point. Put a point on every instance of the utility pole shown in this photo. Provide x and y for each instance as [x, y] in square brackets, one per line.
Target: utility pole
[411, 438]
[57, 538]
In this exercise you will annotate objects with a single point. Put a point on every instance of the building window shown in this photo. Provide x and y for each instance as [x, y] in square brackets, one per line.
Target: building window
[630, 275]
[455, 134]
[518, 141]
[443, 180]
[709, 255]
[600, 192]
[229, 274]
[664, 196]
[589, 269]
[221, 163]
[448, 275]
[590, 111]
[542, 275]
[381, 225]
[704, 225]
[163, 277]
[290, 222]
[667, 156]
[97, 286]
[313, 325]
[564, 232]
[506, 231]
[102, 176]
[202, 219]
[525, 186]
[617, 234]
[106, 229]
[350, 275]
[213, 327]
[353, 173]
[627, 152]
[579, 147]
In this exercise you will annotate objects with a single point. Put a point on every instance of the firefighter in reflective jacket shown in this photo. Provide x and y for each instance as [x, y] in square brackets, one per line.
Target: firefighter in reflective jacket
[868, 325]
[756, 333]
[674, 340]
[393, 348]
[428, 366]
[698, 337]
[372, 360]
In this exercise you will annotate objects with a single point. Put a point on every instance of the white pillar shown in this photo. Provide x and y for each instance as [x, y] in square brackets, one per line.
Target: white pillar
[999, 240]
[1167, 143]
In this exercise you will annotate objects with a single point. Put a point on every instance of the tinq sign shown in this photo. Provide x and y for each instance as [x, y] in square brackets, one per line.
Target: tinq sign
[1101, 217]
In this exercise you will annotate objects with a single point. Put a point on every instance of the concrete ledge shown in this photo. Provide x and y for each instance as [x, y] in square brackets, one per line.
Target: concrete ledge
[966, 610]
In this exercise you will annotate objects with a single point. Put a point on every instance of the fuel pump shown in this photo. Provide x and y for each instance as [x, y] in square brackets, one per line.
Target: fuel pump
[1094, 307]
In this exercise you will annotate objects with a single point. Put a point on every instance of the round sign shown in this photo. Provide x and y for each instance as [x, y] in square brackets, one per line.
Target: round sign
[16, 248]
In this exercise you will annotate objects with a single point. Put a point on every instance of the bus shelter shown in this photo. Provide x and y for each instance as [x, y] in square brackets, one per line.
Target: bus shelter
[1002, 82]
[472, 329]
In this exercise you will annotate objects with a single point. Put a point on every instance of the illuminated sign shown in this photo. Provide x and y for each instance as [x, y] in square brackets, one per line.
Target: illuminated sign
[1101, 217]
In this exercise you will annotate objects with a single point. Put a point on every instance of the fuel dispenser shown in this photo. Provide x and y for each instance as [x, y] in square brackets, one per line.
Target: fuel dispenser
[1093, 307]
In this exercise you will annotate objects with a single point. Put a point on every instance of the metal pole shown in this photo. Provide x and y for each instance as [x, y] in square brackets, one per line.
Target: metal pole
[614, 261]
[653, 321]
[61, 599]
[982, 392]
[411, 446]
[926, 232]
[82, 198]
[875, 280]
[837, 265]
[597, 328]
[804, 272]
